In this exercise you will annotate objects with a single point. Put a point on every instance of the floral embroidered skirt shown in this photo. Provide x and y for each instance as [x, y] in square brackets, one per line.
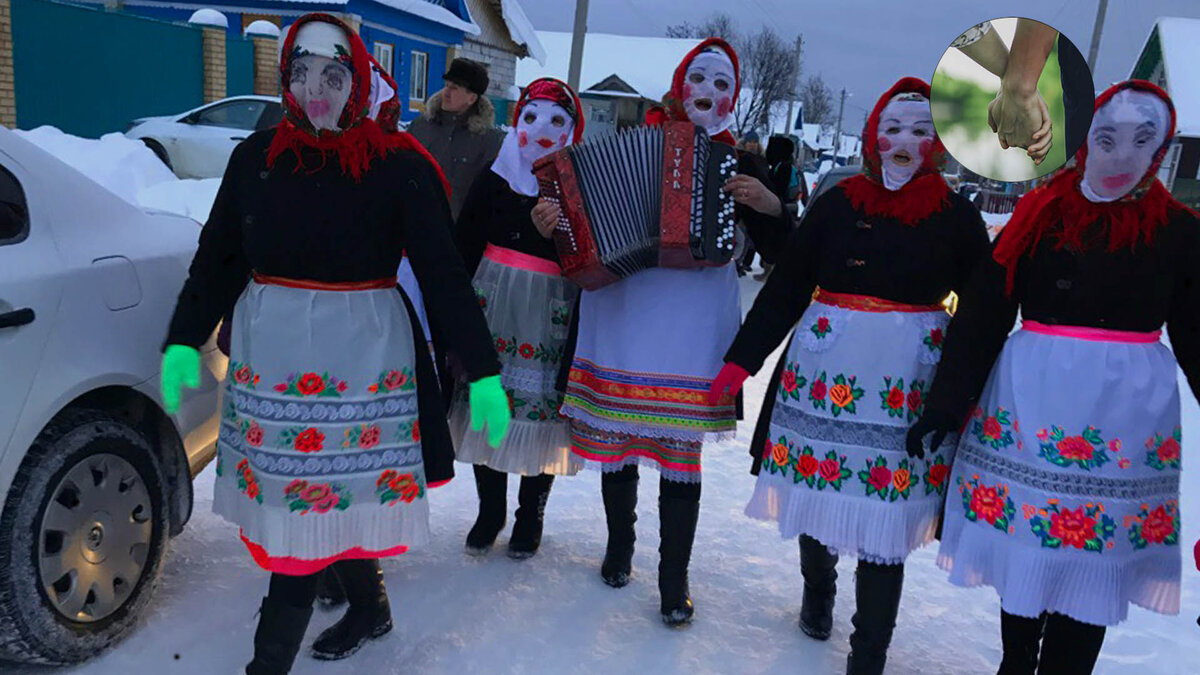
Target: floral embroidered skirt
[319, 453]
[1064, 496]
[834, 465]
[648, 349]
[528, 306]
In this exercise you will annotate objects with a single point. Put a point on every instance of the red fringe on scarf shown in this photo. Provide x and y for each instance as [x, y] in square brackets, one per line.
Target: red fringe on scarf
[355, 147]
[1060, 209]
[920, 198]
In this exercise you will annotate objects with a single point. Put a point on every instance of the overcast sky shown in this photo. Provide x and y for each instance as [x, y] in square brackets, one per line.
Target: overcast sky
[866, 45]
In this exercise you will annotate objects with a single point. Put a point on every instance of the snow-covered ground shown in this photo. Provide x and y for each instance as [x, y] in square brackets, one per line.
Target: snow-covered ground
[552, 614]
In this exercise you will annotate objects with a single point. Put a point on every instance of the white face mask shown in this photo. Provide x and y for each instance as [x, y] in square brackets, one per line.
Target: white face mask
[708, 91]
[322, 87]
[1126, 132]
[905, 136]
[544, 126]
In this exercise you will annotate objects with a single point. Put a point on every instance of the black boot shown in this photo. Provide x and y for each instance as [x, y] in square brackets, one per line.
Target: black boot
[330, 593]
[878, 590]
[531, 510]
[819, 568]
[277, 639]
[369, 615]
[1022, 640]
[620, 503]
[1070, 647]
[677, 525]
[492, 486]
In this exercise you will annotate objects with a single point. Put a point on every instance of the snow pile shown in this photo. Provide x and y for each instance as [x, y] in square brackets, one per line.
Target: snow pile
[644, 63]
[128, 169]
[209, 17]
[191, 198]
[122, 165]
[995, 222]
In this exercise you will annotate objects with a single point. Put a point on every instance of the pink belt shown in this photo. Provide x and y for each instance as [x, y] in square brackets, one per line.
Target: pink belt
[524, 261]
[1094, 334]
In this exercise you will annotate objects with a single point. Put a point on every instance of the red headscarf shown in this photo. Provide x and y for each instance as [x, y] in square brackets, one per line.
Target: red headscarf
[555, 91]
[1060, 207]
[359, 139]
[673, 100]
[922, 196]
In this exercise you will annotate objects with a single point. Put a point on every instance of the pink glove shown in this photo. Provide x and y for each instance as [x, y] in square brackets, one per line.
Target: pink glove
[731, 377]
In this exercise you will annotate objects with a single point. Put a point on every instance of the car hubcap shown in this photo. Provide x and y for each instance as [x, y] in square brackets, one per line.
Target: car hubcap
[94, 538]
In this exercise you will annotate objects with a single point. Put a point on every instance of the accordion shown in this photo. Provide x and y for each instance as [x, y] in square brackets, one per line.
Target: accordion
[643, 197]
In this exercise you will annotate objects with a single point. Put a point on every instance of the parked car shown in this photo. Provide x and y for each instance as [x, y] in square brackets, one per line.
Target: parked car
[94, 475]
[832, 177]
[197, 143]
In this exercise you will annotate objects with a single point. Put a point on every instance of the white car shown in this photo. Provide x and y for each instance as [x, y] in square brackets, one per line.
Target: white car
[94, 475]
[197, 143]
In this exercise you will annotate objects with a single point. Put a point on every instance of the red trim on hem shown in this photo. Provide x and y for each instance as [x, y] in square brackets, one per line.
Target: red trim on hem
[634, 452]
[438, 484]
[298, 567]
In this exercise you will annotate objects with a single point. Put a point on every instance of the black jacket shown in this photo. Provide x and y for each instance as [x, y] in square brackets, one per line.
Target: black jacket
[1131, 290]
[321, 225]
[841, 249]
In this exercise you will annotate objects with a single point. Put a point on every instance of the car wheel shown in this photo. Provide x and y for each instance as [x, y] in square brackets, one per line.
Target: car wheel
[82, 539]
[159, 151]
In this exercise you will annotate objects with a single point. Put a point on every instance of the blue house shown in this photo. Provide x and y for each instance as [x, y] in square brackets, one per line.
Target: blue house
[413, 39]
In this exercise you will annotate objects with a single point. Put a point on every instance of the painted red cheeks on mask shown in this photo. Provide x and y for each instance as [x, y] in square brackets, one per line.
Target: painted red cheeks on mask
[724, 106]
[884, 144]
[522, 139]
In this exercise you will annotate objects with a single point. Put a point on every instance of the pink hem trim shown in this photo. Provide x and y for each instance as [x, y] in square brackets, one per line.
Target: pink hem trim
[1093, 334]
[524, 261]
[298, 567]
[438, 484]
[646, 454]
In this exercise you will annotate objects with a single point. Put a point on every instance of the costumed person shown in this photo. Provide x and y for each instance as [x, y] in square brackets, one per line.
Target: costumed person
[332, 428]
[881, 250]
[528, 305]
[1064, 495]
[647, 349]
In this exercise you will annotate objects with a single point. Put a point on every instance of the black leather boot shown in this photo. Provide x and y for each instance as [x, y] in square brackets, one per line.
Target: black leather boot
[819, 568]
[1022, 640]
[531, 511]
[492, 486]
[277, 639]
[878, 589]
[620, 510]
[369, 615]
[677, 525]
[1069, 646]
[330, 593]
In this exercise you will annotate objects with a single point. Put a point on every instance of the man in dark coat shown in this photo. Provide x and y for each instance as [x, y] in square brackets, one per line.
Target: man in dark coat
[458, 128]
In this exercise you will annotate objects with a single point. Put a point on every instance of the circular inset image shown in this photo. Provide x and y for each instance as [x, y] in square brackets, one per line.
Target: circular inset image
[1012, 99]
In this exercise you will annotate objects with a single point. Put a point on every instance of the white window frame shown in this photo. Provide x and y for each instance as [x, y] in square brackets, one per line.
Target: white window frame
[418, 80]
[383, 53]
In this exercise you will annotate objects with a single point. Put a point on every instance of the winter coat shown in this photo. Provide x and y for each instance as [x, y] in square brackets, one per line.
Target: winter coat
[464, 144]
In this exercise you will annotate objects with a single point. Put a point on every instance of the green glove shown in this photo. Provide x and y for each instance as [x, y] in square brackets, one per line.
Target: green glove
[180, 368]
[489, 405]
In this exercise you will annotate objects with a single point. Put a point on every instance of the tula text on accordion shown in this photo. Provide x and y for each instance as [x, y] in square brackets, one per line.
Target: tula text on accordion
[640, 198]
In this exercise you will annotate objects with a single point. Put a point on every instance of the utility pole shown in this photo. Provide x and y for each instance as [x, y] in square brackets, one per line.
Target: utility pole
[791, 121]
[1096, 31]
[580, 32]
[837, 135]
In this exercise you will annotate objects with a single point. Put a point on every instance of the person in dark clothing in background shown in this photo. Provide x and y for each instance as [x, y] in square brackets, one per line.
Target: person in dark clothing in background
[458, 127]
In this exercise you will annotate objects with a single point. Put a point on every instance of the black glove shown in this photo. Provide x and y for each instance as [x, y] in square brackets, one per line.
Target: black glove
[935, 421]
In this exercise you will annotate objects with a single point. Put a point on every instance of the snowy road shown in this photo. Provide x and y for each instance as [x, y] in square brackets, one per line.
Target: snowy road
[552, 614]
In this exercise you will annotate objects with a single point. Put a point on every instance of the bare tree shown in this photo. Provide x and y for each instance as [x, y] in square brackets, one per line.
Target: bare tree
[718, 24]
[769, 74]
[818, 101]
